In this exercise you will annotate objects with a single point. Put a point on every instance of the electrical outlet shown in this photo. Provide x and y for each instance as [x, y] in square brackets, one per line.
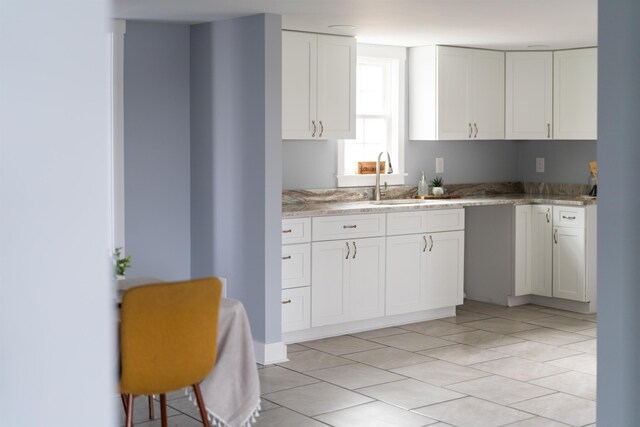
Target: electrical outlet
[540, 164]
[439, 165]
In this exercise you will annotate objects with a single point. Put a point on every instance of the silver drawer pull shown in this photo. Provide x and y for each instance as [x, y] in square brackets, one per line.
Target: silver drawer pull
[286, 257]
[286, 231]
[555, 235]
[425, 243]
[568, 217]
[348, 251]
[355, 250]
[548, 215]
[287, 301]
[431, 240]
[349, 226]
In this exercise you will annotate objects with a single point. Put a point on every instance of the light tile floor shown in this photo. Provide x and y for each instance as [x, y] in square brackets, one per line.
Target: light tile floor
[488, 366]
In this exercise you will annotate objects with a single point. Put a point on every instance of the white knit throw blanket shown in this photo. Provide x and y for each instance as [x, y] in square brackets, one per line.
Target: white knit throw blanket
[231, 392]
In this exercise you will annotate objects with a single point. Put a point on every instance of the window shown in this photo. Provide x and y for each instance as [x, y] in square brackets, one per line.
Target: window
[380, 124]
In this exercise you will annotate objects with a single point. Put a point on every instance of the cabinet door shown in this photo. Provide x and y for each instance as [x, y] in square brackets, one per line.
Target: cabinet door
[336, 87]
[529, 95]
[575, 94]
[523, 250]
[445, 269]
[296, 309]
[406, 274]
[487, 94]
[569, 263]
[453, 97]
[299, 84]
[366, 278]
[541, 250]
[329, 279]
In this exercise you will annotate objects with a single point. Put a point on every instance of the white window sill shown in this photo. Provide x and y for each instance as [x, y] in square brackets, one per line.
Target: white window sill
[370, 180]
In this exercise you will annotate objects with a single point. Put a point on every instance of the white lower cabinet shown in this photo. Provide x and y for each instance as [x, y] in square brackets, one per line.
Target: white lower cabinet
[347, 280]
[296, 309]
[552, 247]
[426, 271]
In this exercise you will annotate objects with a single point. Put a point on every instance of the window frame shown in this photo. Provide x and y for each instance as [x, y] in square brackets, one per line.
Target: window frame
[398, 56]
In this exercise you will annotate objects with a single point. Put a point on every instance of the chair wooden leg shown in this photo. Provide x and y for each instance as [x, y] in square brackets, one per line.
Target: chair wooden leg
[152, 413]
[163, 409]
[129, 410]
[203, 412]
[124, 402]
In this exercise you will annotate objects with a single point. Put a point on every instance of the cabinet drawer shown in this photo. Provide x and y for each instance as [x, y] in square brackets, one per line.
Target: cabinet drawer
[296, 230]
[296, 265]
[296, 309]
[445, 220]
[348, 226]
[399, 223]
[568, 216]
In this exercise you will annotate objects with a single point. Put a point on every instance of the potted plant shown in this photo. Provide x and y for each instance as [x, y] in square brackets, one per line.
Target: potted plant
[120, 264]
[437, 189]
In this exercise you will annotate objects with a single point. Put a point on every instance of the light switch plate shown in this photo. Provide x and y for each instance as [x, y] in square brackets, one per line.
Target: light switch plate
[540, 164]
[439, 165]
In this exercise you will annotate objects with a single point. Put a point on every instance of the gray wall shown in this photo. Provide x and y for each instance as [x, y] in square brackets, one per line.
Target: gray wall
[618, 207]
[57, 341]
[565, 161]
[313, 164]
[156, 144]
[236, 164]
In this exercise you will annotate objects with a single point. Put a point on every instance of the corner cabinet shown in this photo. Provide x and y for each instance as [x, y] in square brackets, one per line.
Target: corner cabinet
[555, 252]
[425, 260]
[456, 93]
[575, 94]
[318, 86]
[529, 95]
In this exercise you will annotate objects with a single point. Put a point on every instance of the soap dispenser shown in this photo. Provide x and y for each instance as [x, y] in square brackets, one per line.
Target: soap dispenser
[423, 186]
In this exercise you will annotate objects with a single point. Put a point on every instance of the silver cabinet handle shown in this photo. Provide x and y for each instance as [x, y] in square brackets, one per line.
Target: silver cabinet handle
[475, 126]
[287, 301]
[425, 243]
[355, 250]
[431, 239]
[548, 215]
[548, 130]
[321, 129]
[313, 122]
[286, 231]
[286, 257]
[470, 130]
[349, 226]
[555, 235]
[568, 217]
[348, 250]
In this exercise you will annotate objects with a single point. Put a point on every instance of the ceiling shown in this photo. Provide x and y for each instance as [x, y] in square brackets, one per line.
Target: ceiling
[497, 24]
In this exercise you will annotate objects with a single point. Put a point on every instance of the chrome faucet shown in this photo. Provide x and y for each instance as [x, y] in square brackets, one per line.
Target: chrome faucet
[376, 190]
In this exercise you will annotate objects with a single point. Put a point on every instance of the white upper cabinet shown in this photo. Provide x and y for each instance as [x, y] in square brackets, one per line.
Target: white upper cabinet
[575, 96]
[529, 95]
[456, 93]
[318, 86]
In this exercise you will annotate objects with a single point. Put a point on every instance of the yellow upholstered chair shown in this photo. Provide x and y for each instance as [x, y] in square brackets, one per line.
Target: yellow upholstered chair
[168, 339]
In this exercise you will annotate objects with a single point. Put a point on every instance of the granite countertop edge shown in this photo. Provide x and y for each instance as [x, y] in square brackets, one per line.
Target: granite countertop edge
[360, 207]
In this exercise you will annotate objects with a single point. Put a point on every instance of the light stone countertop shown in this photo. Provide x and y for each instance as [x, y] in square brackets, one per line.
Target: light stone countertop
[359, 207]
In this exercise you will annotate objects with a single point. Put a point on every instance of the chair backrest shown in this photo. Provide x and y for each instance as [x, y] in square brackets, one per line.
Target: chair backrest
[168, 335]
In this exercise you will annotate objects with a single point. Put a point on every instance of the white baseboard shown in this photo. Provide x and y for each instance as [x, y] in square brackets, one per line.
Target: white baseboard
[268, 354]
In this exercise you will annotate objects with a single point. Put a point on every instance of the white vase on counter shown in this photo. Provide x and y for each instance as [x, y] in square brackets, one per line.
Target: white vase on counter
[437, 191]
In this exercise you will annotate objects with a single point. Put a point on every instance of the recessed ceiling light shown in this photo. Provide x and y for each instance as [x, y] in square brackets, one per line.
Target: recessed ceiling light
[538, 46]
[342, 27]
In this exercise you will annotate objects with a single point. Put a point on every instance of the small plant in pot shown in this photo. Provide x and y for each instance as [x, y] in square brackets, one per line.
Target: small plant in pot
[437, 189]
[120, 264]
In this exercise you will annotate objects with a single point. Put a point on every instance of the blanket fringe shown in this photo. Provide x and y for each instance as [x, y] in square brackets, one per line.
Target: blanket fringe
[215, 421]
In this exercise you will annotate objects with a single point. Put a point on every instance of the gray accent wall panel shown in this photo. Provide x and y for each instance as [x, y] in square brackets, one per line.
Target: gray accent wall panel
[156, 146]
[566, 161]
[236, 165]
[618, 219]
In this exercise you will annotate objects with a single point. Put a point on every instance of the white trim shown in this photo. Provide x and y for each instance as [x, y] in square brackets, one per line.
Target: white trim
[370, 180]
[367, 325]
[268, 354]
